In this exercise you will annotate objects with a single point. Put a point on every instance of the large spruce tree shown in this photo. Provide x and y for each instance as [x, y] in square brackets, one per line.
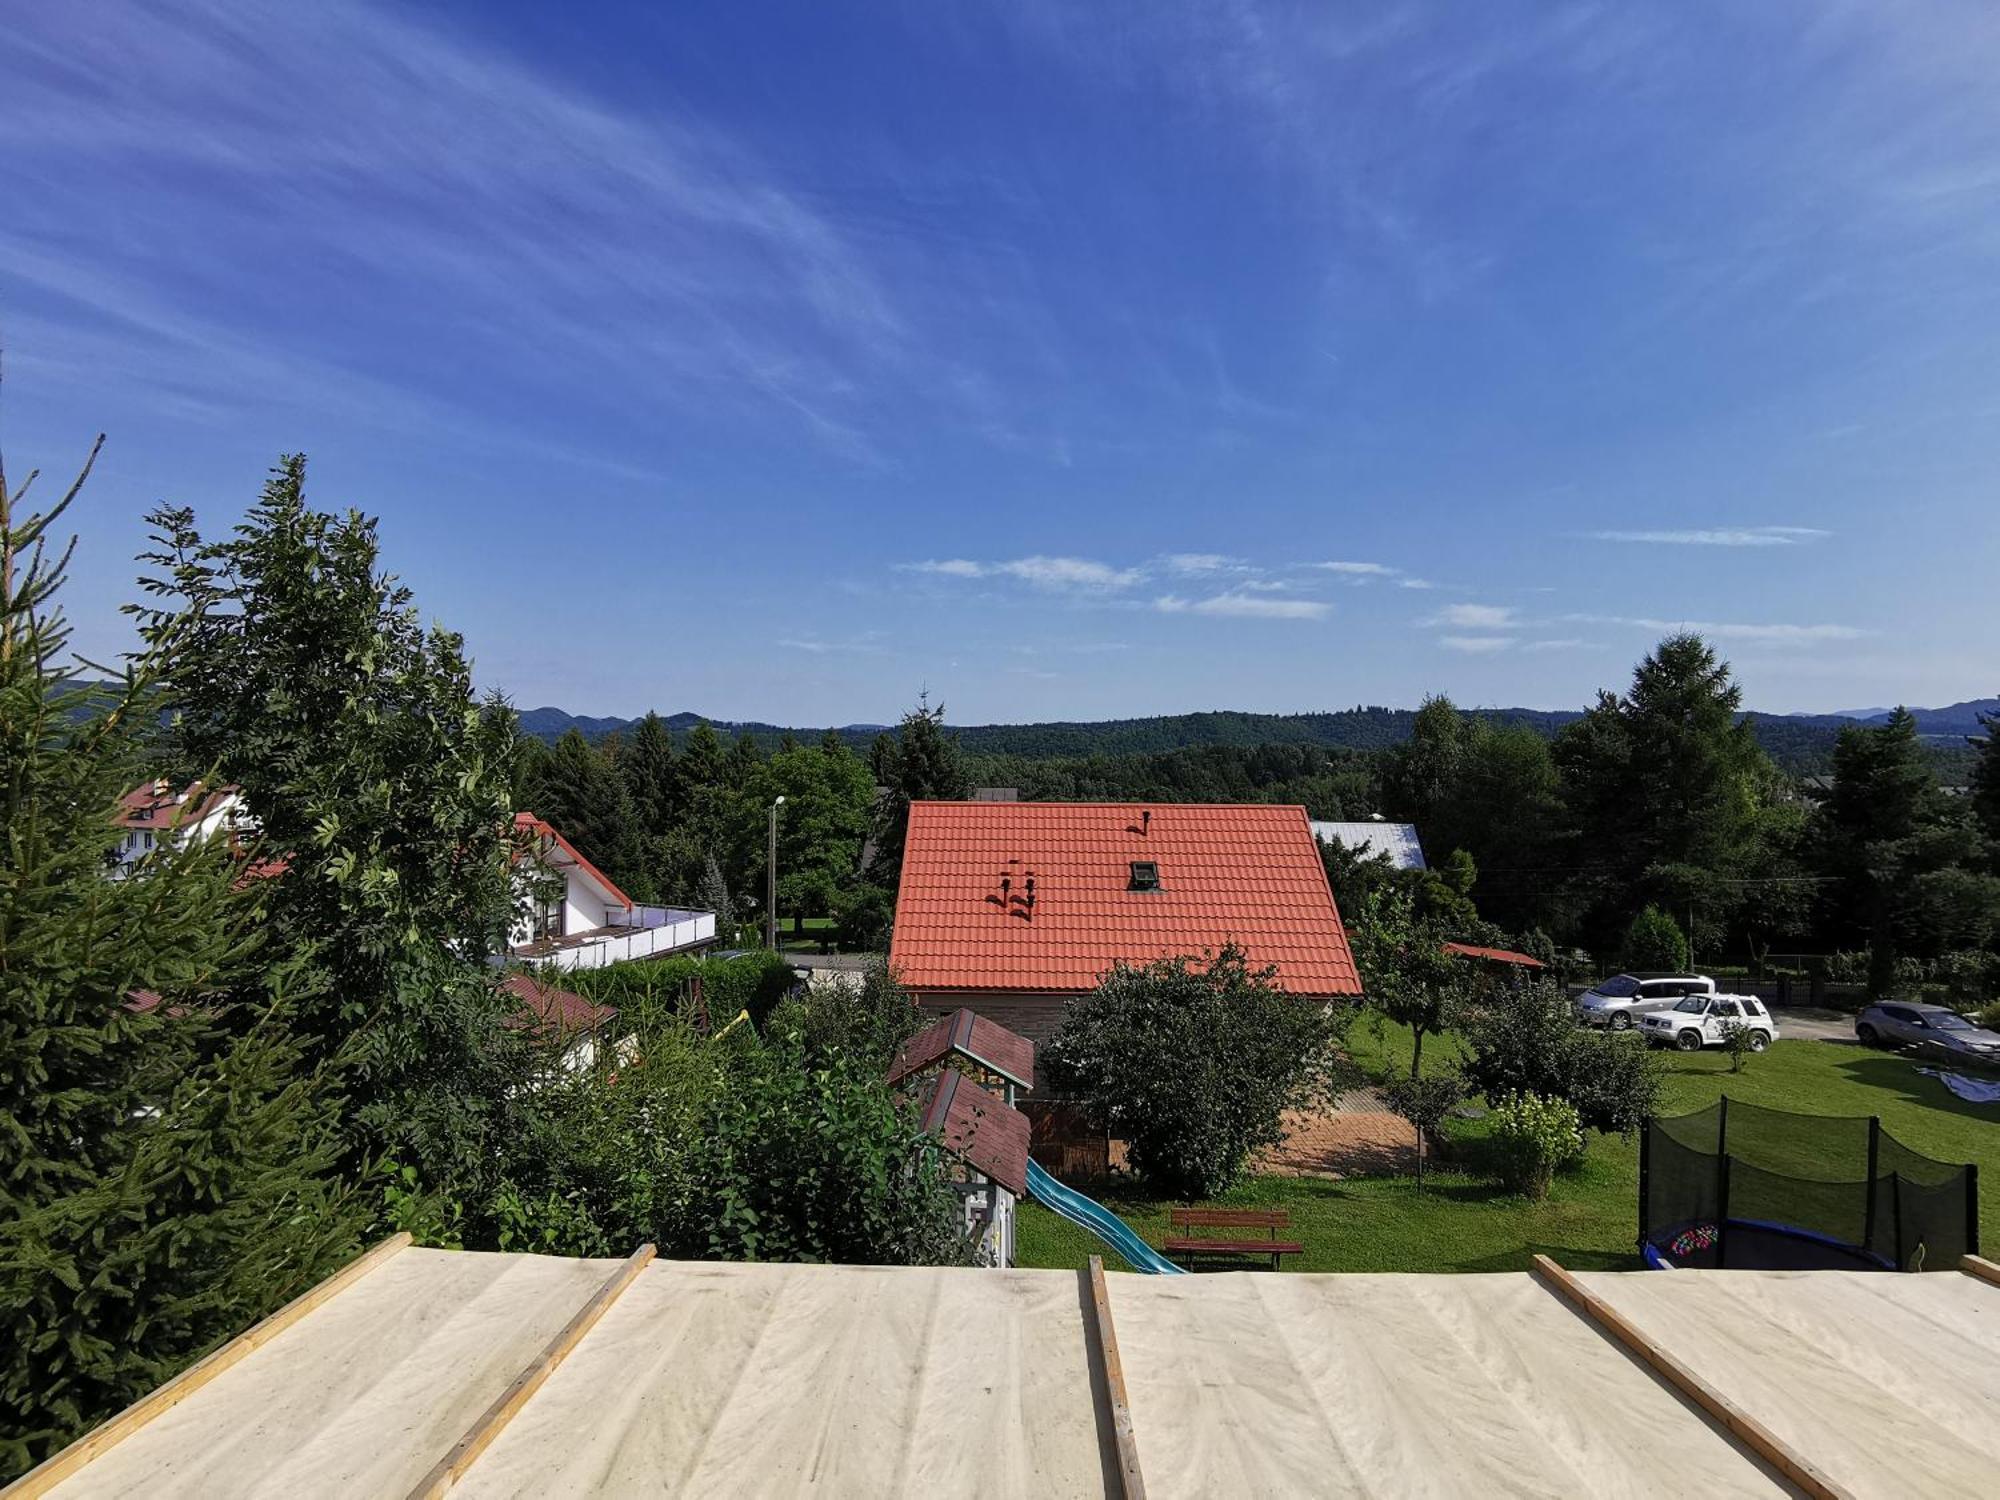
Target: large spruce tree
[165, 1169]
[924, 764]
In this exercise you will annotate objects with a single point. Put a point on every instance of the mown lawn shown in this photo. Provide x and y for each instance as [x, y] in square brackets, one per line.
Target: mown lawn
[1461, 1222]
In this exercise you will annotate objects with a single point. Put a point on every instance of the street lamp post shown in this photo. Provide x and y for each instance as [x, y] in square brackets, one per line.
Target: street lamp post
[771, 881]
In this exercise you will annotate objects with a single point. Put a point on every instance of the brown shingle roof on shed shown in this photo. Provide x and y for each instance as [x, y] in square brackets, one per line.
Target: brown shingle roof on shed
[974, 1038]
[988, 1136]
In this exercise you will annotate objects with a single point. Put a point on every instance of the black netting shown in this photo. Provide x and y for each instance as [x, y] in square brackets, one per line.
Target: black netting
[1741, 1185]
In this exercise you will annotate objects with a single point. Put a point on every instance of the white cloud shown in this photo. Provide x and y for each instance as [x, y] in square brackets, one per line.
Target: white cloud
[1563, 643]
[950, 567]
[1763, 635]
[1476, 616]
[1476, 644]
[1195, 564]
[1056, 573]
[1067, 573]
[1414, 583]
[1735, 536]
[1360, 569]
[1242, 606]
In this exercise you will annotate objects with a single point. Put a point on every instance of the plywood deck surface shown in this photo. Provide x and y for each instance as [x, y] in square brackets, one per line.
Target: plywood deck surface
[755, 1380]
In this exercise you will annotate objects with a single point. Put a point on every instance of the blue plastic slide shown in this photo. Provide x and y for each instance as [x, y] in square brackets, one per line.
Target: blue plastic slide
[1089, 1214]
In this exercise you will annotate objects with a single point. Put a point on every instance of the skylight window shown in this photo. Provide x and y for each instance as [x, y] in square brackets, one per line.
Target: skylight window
[1145, 876]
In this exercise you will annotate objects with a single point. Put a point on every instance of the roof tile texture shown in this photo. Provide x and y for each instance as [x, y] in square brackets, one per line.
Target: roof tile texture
[1248, 874]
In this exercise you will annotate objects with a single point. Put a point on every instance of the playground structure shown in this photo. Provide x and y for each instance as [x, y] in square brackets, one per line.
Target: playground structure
[973, 1070]
[1744, 1187]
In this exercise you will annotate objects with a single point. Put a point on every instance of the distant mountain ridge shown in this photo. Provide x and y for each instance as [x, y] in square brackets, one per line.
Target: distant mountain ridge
[1799, 742]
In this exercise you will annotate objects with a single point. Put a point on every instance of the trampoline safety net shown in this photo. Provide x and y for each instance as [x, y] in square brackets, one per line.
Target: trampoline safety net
[1737, 1184]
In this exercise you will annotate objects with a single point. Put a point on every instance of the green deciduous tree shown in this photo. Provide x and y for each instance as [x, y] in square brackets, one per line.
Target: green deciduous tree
[165, 1168]
[828, 800]
[302, 673]
[1194, 1062]
[1655, 944]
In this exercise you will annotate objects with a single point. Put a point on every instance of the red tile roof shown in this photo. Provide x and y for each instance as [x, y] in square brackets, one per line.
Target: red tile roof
[1248, 874]
[977, 1040]
[562, 1011]
[157, 805]
[534, 827]
[972, 1125]
[1497, 955]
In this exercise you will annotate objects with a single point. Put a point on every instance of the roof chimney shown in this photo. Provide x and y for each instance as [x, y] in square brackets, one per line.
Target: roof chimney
[1145, 821]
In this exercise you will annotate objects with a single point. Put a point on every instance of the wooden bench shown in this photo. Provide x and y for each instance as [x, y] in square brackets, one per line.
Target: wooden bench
[1186, 1242]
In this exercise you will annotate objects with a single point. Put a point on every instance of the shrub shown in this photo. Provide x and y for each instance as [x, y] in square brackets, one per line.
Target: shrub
[1736, 1043]
[862, 913]
[1534, 1138]
[1194, 1062]
[823, 1164]
[1525, 1040]
[1425, 1102]
[866, 1015]
[1655, 941]
[728, 1148]
[654, 992]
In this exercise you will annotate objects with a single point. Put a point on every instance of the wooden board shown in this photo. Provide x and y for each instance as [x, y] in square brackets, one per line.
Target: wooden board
[1978, 1265]
[466, 1451]
[1114, 1384]
[1740, 1424]
[40, 1480]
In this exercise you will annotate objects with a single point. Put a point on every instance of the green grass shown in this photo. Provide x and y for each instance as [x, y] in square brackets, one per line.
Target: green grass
[1461, 1222]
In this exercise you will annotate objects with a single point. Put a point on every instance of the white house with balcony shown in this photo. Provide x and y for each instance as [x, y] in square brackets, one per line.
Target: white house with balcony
[577, 918]
[159, 814]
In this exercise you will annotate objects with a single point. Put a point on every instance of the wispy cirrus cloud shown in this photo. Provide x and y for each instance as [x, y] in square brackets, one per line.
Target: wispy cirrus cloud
[1476, 645]
[1201, 564]
[1245, 606]
[1476, 616]
[1727, 536]
[1359, 569]
[1723, 630]
[1055, 574]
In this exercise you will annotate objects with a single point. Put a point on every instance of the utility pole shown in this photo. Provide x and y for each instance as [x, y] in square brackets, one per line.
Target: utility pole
[771, 881]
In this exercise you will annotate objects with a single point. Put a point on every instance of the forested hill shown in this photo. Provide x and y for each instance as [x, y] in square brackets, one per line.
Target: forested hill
[1801, 743]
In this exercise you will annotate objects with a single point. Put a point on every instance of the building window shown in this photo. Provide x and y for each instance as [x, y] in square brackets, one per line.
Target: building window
[1145, 876]
[548, 915]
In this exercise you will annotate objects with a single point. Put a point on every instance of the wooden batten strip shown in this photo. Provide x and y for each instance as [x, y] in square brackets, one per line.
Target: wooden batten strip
[47, 1476]
[1133, 1481]
[451, 1468]
[1980, 1266]
[1745, 1428]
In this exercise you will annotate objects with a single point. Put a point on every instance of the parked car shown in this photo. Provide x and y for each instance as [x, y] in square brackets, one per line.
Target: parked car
[1619, 1001]
[1699, 1020]
[1933, 1029]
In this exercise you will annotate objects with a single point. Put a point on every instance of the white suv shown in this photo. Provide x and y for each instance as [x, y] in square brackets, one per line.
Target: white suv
[1619, 1001]
[1701, 1021]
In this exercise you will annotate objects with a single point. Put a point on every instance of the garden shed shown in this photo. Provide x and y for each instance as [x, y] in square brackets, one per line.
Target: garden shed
[423, 1372]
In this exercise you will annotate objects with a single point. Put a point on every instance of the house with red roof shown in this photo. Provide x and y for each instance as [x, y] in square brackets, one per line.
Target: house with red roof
[1012, 909]
[158, 814]
[576, 917]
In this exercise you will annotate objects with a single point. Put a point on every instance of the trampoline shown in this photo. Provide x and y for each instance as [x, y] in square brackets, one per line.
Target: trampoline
[1740, 1186]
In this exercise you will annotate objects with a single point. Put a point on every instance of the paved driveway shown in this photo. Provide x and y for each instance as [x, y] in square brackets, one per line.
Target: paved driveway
[1809, 1023]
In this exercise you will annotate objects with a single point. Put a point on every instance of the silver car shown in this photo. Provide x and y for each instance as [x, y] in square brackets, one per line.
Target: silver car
[1932, 1029]
[1619, 1001]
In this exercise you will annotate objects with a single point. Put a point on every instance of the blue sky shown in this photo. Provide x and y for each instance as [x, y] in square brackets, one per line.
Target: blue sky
[1066, 360]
